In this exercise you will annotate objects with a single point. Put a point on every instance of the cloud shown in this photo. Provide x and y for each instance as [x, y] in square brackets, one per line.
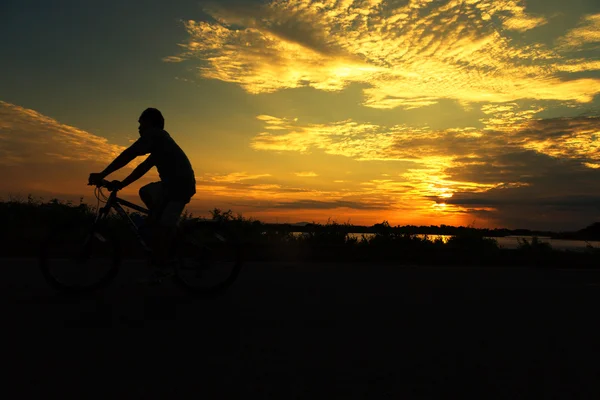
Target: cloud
[544, 177]
[27, 136]
[523, 23]
[556, 194]
[511, 13]
[564, 138]
[248, 186]
[409, 55]
[348, 138]
[506, 127]
[307, 174]
[516, 169]
[588, 32]
[39, 154]
[514, 151]
[269, 194]
[426, 155]
[581, 65]
[237, 177]
[327, 205]
[47, 158]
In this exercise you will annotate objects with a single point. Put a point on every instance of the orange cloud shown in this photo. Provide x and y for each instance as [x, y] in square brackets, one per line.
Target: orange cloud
[237, 177]
[41, 155]
[28, 136]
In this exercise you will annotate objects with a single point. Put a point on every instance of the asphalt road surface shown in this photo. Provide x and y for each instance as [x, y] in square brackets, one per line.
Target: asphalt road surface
[307, 331]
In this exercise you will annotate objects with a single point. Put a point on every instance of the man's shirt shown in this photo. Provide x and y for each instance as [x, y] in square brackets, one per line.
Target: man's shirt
[174, 167]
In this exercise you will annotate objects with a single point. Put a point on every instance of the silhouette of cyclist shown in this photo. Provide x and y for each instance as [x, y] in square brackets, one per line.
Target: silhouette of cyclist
[165, 199]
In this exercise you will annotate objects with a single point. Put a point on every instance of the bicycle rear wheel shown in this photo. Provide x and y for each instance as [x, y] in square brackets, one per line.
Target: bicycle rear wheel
[207, 264]
[75, 260]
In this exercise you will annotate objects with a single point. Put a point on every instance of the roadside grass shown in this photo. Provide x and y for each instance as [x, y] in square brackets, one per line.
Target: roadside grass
[26, 222]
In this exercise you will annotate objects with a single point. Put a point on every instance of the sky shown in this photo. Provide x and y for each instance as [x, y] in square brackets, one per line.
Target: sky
[416, 112]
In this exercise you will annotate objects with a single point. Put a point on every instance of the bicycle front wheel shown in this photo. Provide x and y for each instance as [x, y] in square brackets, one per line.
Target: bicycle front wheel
[76, 260]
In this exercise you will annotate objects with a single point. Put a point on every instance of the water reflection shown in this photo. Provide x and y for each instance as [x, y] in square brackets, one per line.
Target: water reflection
[506, 242]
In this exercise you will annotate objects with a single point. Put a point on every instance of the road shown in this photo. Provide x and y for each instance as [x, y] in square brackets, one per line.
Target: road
[307, 331]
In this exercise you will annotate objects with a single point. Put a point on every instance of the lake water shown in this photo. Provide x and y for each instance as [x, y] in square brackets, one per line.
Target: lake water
[511, 242]
[507, 242]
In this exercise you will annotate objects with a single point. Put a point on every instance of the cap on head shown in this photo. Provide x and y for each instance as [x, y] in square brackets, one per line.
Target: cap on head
[153, 117]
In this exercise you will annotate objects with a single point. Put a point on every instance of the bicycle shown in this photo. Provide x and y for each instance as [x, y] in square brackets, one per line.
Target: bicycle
[205, 257]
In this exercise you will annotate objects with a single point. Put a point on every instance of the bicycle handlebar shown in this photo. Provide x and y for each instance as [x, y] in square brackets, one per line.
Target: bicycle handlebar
[103, 183]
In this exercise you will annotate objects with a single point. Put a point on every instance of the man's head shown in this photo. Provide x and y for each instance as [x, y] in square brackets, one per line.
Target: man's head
[150, 119]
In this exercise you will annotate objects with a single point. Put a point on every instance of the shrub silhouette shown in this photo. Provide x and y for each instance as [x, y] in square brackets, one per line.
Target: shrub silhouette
[26, 221]
[533, 245]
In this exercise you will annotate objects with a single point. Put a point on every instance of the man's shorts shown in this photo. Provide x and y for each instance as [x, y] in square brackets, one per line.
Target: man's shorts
[167, 212]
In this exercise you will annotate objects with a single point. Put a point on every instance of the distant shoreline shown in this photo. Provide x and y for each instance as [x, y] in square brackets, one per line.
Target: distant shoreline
[435, 231]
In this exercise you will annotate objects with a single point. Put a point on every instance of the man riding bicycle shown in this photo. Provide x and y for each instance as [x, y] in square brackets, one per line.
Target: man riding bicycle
[166, 199]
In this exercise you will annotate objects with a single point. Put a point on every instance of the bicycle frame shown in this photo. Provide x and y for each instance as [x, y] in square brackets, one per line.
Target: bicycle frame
[115, 203]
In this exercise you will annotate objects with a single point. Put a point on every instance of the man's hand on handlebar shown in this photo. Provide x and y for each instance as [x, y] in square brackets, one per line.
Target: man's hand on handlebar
[95, 179]
[113, 185]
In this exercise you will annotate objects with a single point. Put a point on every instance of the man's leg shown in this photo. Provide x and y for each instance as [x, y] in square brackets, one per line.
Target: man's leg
[164, 231]
[152, 195]
[160, 239]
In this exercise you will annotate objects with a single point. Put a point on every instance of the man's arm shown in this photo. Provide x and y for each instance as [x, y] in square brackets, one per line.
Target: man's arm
[140, 147]
[139, 171]
[122, 160]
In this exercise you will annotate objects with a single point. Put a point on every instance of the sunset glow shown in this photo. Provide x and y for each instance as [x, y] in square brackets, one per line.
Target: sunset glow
[418, 112]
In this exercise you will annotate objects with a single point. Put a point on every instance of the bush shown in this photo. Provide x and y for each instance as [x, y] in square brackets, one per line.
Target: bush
[535, 245]
[27, 220]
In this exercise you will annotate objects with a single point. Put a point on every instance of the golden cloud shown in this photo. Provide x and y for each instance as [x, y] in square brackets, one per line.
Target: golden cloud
[426, 149]
[306, 174]
[348, 138]
[565, 138]
[514, 151]
[507, 117]
[410, 56]
[434, 155]
[587, 32]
